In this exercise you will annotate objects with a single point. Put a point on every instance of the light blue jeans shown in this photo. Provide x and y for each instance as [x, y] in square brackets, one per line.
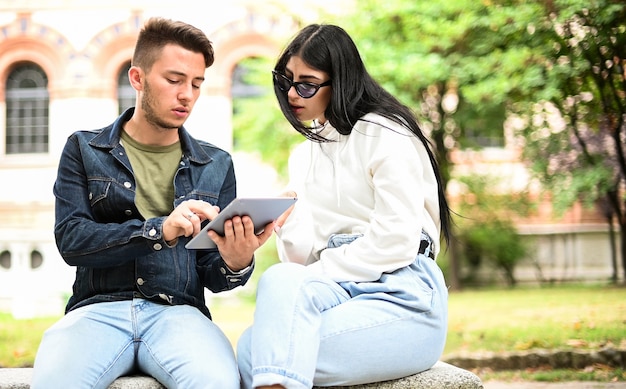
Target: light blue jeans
[311, 330]
[93, 345]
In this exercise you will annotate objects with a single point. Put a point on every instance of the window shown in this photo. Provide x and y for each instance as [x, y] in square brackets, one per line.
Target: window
[5, 260]
[243, 79]
[125, 92]
[27, 110]
[36, 259]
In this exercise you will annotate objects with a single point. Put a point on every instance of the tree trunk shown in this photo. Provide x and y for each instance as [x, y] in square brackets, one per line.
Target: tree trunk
[614, 276]
[453, 255]
[607, 208]
[622, 234]
[445, 166]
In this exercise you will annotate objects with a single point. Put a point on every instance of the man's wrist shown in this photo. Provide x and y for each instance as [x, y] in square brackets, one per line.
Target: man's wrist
[240, 271]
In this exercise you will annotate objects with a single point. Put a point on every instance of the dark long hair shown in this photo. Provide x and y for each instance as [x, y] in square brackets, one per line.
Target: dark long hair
[355, 93]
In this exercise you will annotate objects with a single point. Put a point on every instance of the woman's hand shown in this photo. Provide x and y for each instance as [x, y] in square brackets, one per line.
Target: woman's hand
[278, 223]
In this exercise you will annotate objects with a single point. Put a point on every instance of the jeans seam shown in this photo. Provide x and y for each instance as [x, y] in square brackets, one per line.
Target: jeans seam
[373, 325]
[113, 362]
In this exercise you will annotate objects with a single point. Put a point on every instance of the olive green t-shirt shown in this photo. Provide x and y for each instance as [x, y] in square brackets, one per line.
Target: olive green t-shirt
[154, 168]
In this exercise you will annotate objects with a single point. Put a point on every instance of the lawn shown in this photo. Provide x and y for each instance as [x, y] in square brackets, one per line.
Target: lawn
[563, 317]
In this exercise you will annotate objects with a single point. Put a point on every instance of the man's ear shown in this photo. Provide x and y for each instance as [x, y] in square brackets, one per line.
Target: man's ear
[136, 77]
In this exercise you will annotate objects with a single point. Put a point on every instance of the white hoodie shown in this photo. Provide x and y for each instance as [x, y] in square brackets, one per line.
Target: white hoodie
[378, 182]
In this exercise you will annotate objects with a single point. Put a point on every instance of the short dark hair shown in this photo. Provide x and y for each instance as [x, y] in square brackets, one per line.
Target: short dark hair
[158, 32]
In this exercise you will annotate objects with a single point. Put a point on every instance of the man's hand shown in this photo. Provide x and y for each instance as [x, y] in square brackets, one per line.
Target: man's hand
[186, 218]
[239, 242]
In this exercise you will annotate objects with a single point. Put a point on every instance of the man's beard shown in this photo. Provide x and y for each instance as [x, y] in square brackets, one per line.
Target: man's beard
[147, 104]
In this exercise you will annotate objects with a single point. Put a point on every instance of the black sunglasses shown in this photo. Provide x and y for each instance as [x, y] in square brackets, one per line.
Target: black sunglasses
[306, 90]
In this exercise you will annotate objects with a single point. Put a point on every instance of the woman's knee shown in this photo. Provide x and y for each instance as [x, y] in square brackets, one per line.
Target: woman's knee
[281, 274]
[244, 348]
[244, 358]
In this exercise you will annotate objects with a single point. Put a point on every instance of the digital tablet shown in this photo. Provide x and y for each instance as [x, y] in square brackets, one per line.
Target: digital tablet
[262, 210]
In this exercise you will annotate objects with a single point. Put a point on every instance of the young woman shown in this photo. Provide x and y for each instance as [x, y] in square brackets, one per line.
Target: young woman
[358, 296]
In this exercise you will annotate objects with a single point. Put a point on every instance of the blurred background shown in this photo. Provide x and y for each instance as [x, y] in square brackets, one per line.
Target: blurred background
[524, 102]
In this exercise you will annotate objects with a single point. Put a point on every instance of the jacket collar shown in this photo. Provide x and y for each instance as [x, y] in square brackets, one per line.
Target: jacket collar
[109, 138]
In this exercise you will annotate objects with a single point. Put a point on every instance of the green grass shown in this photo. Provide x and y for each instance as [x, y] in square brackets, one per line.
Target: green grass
[498, 320]
[19, 339]
[563, 317]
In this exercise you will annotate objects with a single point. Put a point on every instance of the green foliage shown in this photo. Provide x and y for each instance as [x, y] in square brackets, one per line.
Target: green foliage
[557, 66]
[486, 230]
[502, 57]
[461, 65]
[586, 185]
[573, 116]
[495, 242]
[465, 66]
[258, 125]
[487, 196]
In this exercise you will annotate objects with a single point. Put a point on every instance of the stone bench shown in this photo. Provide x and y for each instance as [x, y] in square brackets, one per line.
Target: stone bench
[441, 376]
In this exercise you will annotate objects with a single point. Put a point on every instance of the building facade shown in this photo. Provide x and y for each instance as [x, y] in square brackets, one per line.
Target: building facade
[63, 67]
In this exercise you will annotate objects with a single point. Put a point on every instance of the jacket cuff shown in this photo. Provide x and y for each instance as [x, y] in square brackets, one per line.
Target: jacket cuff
[237, 277]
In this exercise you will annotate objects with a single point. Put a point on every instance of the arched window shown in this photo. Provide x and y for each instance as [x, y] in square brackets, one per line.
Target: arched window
[27, 104]
[244, 82]
[36, 259]
[125, 92]
[5, 259]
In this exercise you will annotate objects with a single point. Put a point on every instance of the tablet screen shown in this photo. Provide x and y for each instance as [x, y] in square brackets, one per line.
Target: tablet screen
[262, 210]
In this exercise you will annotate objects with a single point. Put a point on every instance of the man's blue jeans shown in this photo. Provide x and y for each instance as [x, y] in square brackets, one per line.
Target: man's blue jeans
[310, 330]
[93, 345]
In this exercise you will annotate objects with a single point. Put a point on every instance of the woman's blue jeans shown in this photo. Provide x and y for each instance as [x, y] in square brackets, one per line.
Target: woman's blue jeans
[93, 345]
[309, 330]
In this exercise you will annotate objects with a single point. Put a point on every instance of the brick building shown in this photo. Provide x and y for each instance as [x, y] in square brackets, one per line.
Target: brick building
[63, 67]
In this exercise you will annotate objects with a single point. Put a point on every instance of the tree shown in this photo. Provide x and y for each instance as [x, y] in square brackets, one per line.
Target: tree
[456, 62]
[487, 231]
[575, 121]
[557, 64]
[258, 125]
[465, 66]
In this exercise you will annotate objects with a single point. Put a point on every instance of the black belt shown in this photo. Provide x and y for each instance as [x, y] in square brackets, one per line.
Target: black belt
[426, 244]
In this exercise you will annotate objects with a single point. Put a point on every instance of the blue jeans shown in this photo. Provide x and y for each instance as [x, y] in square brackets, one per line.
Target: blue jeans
[311, 330]
[93, 345]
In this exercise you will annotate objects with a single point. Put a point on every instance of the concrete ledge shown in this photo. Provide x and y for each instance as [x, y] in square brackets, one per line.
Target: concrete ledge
[441, 376]
[19, 378]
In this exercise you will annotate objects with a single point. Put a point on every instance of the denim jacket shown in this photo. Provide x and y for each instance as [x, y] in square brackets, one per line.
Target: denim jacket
[117, 253]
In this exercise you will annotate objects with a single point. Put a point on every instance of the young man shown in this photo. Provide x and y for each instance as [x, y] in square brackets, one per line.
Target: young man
[128, 198]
